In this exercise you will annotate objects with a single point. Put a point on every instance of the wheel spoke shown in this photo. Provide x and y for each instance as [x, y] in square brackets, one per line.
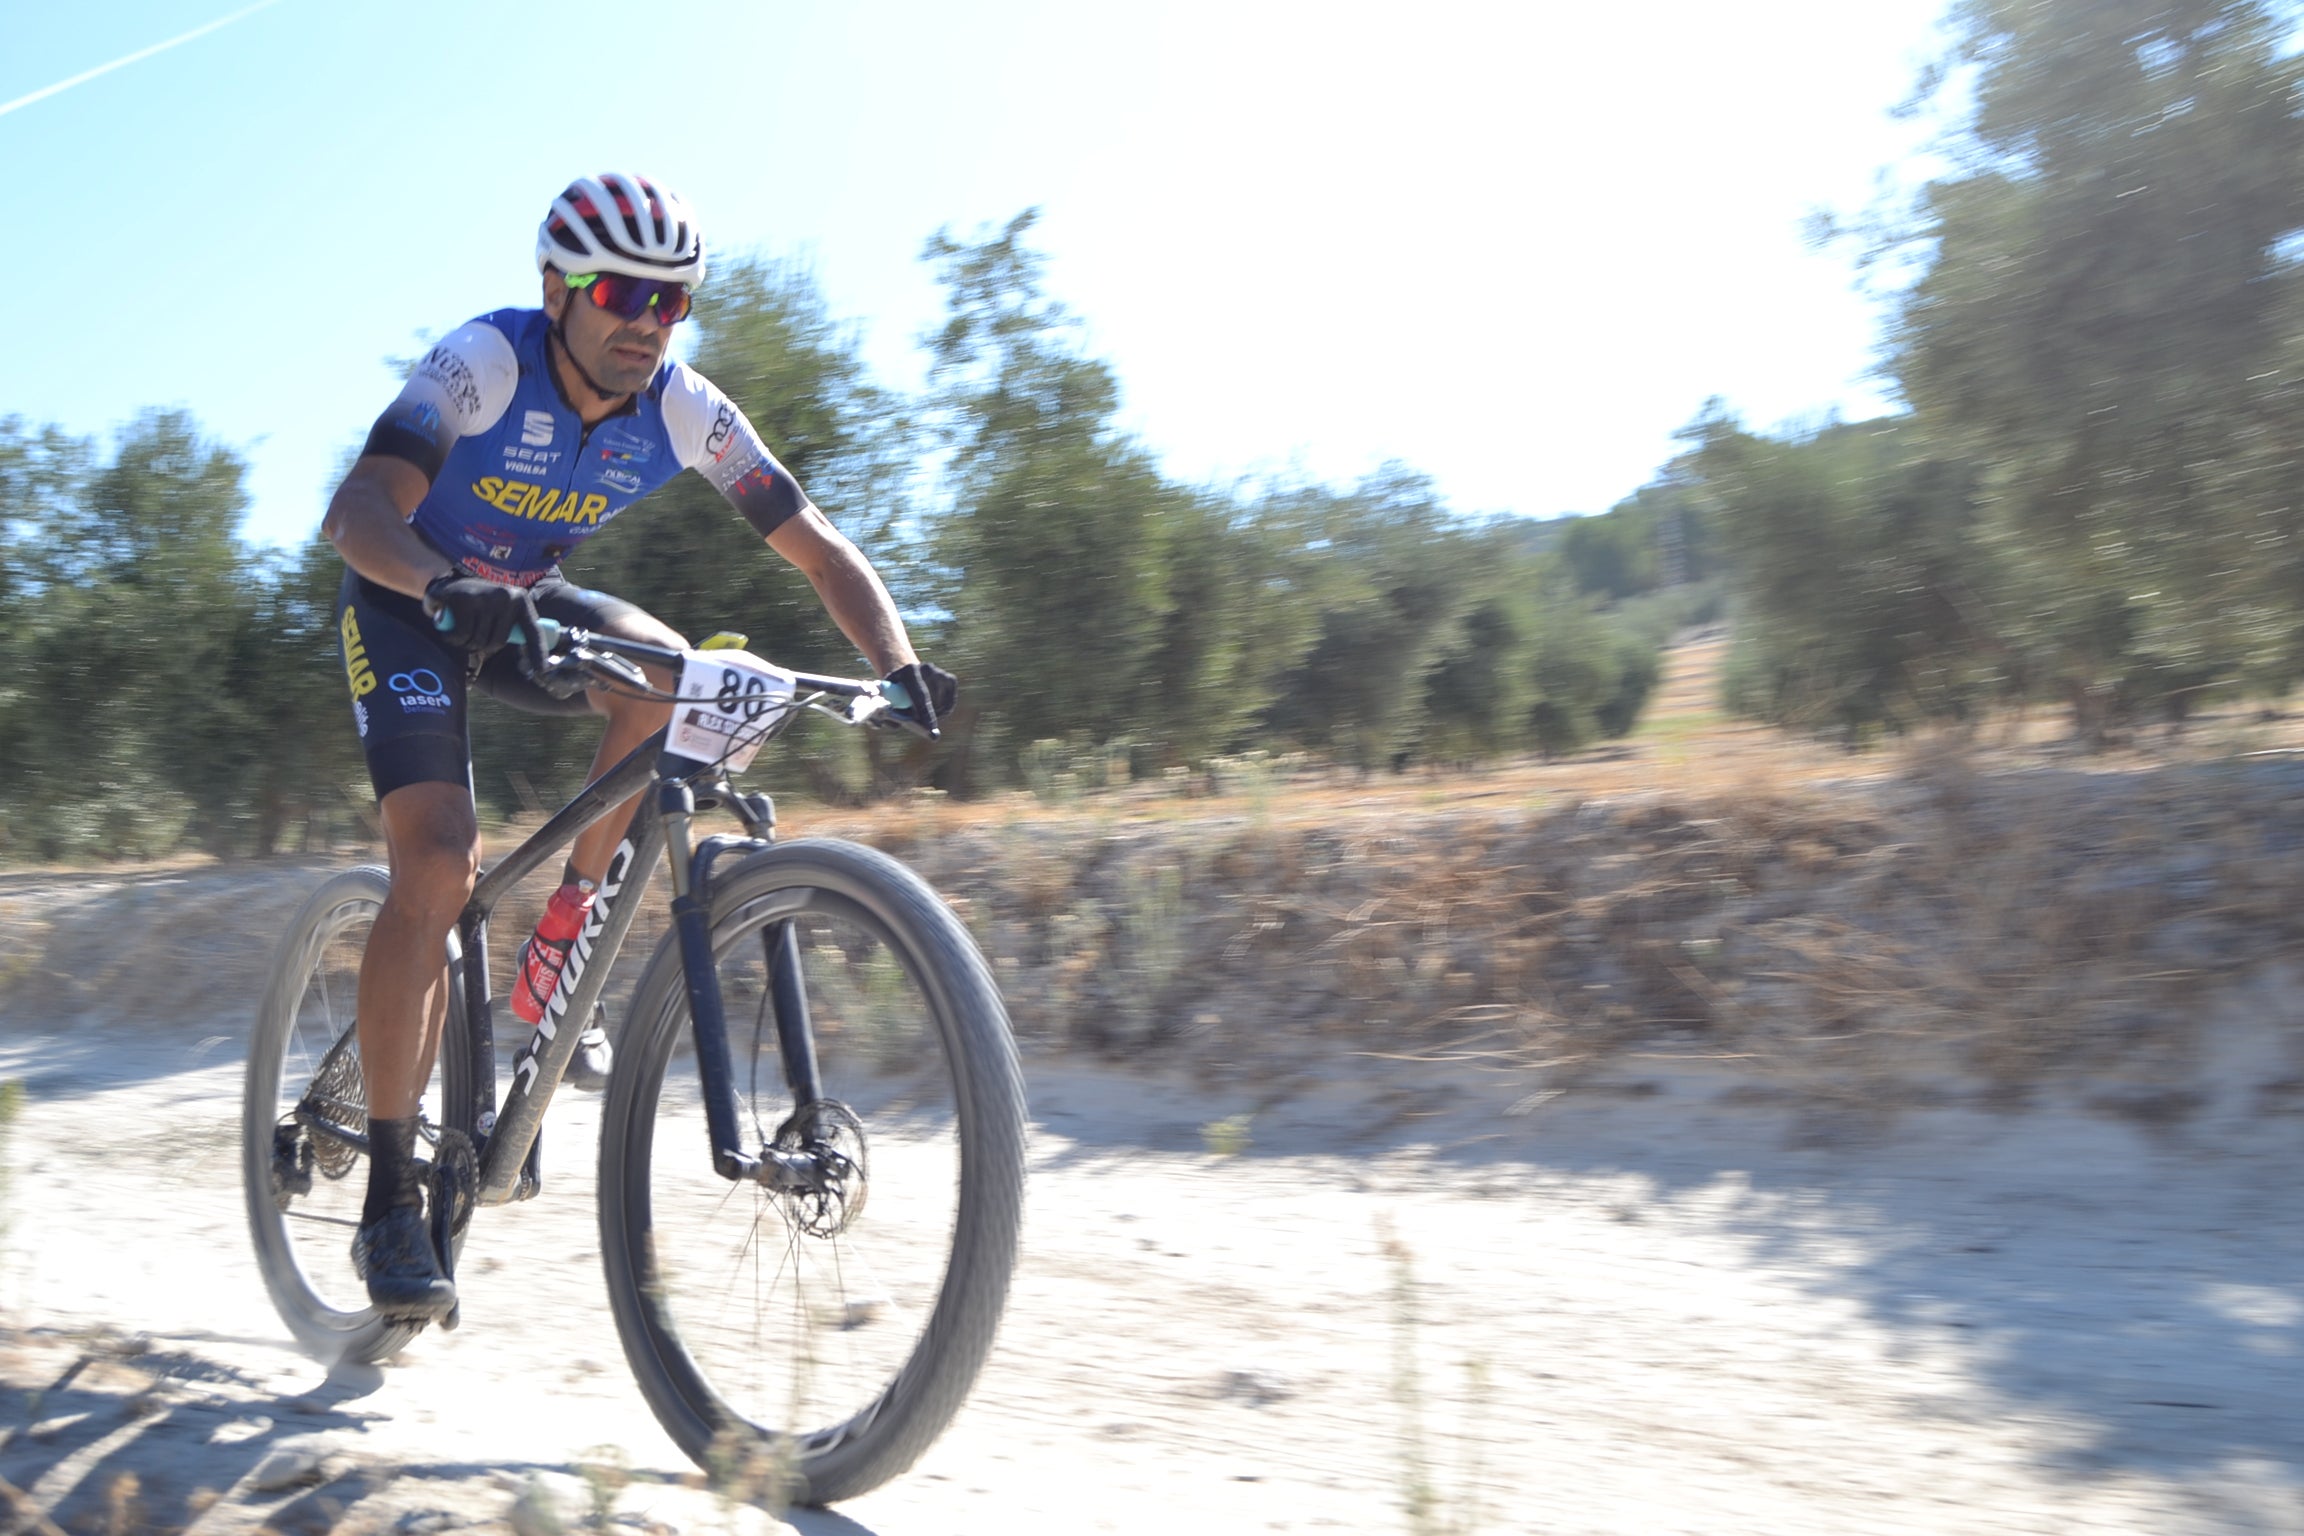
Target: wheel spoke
[839, 1315]
[304, 1052]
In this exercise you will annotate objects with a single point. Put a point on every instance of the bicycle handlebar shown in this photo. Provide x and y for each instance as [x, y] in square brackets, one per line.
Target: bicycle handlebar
[588, 654]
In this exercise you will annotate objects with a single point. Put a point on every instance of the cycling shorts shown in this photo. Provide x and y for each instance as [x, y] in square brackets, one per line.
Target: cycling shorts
[409, 685]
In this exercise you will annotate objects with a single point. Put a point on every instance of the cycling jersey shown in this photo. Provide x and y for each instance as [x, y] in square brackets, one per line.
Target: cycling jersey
[518, 480]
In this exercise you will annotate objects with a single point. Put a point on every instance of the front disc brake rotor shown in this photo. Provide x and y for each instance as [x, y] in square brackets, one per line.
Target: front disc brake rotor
[828, 1131]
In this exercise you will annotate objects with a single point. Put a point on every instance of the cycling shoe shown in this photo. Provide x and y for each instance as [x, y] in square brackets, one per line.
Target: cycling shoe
[394, 1255]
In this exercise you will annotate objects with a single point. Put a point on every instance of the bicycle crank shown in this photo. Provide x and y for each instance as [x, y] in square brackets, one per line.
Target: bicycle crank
[454, 1192]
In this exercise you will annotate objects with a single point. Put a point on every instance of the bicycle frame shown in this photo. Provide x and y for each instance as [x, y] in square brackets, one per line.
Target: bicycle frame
[660, 824]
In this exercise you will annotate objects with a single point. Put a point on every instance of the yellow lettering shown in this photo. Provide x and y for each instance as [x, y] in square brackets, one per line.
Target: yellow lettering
[510, 500]
[541, 506]
[594, 505]
[489, 489]
[357, 672]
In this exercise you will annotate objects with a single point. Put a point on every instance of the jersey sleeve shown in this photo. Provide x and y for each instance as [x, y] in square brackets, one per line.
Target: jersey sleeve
[711, 436]
[460, 388]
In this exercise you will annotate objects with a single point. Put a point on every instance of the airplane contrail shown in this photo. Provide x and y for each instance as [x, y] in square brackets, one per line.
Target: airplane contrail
[47, 91]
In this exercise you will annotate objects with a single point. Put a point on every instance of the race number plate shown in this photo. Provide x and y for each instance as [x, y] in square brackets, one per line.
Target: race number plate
[729, 700]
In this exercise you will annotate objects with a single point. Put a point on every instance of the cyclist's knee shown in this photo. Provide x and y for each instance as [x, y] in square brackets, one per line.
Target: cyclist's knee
[645, 627]
[434, 842]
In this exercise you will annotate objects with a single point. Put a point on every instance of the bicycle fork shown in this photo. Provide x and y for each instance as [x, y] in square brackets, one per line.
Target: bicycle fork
[778, 1168]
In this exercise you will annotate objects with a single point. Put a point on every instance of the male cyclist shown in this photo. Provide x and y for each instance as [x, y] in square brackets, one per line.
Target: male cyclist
[515, 439]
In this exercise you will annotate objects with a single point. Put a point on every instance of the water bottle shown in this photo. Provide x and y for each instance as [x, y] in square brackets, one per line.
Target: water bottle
[547, 951]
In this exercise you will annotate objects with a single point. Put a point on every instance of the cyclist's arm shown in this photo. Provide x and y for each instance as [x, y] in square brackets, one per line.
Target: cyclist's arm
[851, 591]
[367, 521]
[462, 386]
[713, 438]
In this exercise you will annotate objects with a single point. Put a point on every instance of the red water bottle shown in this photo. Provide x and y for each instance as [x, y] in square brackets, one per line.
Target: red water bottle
[547, 951]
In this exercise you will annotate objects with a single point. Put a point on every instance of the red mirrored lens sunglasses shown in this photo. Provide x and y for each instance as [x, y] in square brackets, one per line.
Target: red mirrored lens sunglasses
[628, 298]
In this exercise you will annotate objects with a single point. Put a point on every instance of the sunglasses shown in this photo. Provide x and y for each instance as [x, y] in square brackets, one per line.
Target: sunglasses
[628, 298]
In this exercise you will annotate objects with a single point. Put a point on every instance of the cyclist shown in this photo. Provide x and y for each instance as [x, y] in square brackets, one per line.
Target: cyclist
[514, 440]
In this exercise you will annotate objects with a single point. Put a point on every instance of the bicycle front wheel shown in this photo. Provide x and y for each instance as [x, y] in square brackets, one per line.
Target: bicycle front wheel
[304, 1120]
[806, 1349]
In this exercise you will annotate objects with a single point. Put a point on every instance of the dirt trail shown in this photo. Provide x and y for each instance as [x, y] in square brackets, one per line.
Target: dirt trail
[1685, 1314]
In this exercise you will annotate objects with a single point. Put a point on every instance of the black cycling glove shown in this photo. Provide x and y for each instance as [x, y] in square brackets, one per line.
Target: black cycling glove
[931, 690]
[475, 614]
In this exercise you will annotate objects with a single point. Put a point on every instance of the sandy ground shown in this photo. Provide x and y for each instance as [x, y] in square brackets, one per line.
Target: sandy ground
[1654, 1306]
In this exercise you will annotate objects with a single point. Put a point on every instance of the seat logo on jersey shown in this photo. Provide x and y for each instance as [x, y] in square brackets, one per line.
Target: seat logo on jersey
[536, 428]
[537, 503]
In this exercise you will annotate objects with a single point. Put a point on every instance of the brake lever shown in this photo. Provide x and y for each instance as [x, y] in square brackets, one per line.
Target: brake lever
[874, 710]
[893, 698]
[622, 668]
[536, 649]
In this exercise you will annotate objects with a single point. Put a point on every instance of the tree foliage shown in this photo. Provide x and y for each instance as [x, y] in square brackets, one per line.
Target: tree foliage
[2094, 498]
[174, 684]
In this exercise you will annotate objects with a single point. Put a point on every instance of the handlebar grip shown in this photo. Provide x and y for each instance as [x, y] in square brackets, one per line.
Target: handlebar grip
[547, 630]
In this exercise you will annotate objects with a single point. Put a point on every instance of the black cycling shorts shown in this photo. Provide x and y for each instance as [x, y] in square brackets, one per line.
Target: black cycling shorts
[409, 684]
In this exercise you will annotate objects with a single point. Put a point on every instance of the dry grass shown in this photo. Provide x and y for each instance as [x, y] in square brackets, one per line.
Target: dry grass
[1850, 928]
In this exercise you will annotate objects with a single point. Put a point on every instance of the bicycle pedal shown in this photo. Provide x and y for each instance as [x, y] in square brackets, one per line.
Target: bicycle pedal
[595, 1058]
[531, 1182]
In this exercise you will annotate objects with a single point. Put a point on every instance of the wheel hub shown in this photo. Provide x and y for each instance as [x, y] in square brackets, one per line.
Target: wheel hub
[830, 1136]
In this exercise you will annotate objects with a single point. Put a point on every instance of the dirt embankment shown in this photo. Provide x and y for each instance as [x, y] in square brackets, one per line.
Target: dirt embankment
[1942, 931]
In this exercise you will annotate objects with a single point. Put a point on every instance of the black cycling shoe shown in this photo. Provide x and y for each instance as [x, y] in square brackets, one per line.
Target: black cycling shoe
[588, 1068]
[394, 1255]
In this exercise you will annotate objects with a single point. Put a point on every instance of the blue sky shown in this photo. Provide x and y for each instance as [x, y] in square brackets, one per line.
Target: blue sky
[1514, 246]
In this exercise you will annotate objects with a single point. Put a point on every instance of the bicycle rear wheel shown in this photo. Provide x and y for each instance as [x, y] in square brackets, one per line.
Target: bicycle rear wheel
[805, 1349]
[304, 1185]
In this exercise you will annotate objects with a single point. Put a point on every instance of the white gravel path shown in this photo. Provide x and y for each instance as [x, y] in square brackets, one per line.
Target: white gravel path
[1662, 1311]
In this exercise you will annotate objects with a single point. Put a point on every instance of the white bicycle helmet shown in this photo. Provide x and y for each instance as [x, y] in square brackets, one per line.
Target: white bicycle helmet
[627, 224]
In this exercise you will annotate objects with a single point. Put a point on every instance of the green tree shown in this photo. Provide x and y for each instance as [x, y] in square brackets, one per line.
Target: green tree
[1613, 555]
[1856, 563]
[1397, 575]
[2103, 324]
[129, 729]
[1058, 542]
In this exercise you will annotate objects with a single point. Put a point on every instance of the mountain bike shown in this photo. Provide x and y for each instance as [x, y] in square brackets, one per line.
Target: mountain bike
[802, 1281]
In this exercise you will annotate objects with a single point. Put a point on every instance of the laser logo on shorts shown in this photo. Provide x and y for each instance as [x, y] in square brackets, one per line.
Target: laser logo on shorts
[420, 688]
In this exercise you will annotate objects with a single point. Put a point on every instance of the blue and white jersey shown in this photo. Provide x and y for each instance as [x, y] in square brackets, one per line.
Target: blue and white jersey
[525, 481]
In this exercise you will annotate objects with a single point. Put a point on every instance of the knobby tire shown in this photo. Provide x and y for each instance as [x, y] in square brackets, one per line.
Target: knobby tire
[799, 1367]
[302, 1242]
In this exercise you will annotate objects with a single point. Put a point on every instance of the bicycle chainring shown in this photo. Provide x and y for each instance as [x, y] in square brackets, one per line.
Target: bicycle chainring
[828, 1131]
[455, 1186]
